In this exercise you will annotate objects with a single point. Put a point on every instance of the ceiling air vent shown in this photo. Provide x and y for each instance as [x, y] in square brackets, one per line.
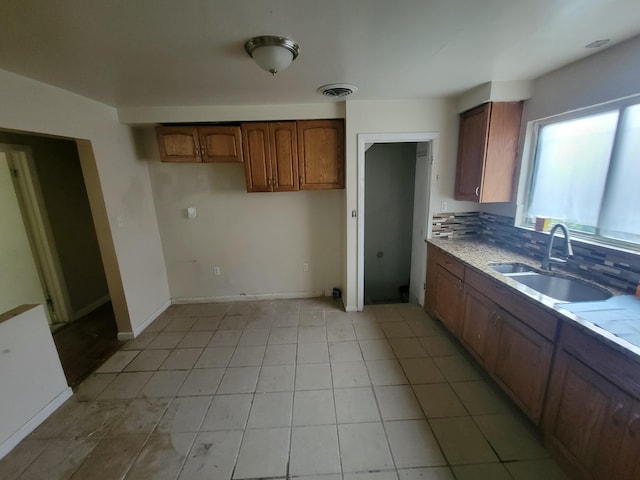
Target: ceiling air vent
[337, 89]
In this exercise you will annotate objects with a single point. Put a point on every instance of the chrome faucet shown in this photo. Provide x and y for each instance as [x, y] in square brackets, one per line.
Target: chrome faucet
[568, 251]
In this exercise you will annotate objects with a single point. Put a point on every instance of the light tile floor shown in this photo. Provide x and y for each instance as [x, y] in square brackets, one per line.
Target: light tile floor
[286, 389]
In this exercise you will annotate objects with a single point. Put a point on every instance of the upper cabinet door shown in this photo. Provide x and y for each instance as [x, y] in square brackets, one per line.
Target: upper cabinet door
[284, 156]
[321, 154]
[257, 157]
[178, 144]
[474, 128]
[220, 144]
[487, 148]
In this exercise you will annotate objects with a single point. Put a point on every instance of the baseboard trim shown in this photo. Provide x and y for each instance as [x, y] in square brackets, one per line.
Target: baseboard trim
[33, 423]
[90, 308]
[124, 336]
[248, 298]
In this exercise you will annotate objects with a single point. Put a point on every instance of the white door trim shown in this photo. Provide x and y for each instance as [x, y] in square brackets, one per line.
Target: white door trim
[369, 138]
[36, 221]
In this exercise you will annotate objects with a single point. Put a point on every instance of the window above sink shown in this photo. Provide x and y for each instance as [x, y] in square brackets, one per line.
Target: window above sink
[583, 171]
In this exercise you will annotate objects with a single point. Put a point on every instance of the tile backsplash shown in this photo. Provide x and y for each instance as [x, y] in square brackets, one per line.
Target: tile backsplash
[604, 265]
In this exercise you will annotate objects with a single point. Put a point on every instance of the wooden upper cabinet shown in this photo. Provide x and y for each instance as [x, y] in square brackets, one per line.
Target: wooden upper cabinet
[321, 154]
[220, 144]
[284, 156]
[257, 156]
[200, 144]
[487, 146]
[271, 156]
[178, 144]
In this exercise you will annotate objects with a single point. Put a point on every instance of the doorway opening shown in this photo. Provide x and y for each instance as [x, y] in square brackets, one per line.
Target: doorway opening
[388, 223]
[394, 180]
[59, 224]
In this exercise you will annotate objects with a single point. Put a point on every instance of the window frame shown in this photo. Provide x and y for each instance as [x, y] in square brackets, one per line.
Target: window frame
[528, 169]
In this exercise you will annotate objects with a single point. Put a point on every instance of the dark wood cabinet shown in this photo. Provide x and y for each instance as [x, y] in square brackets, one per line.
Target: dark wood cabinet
[271, 156]
[487, 146]
[189, 144]
[522, 364]
[479, 326]
[592, 418]
[448, 299]
[321, 154]
[509, 336]
[444, 288]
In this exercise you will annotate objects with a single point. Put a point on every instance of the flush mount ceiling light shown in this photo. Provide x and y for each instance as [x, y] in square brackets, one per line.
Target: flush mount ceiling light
[271, 53]
[337, 89]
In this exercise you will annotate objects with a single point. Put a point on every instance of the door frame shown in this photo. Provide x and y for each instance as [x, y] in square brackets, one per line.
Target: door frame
[36, 220]
[365, 139]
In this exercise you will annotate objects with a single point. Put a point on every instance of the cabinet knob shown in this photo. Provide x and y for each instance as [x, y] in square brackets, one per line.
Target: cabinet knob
[202, 152]
[269, 182]
[477, 191]
[300, 179]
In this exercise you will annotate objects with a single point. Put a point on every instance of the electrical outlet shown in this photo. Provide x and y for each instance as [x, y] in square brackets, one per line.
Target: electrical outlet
[444, 206]
[216, 271]
[305, 267]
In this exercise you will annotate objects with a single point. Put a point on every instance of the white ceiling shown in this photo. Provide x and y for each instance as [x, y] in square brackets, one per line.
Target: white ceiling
[190, 52]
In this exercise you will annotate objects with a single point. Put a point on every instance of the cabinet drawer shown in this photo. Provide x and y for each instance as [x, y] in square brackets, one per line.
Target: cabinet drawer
[528, 312]
[450, 263]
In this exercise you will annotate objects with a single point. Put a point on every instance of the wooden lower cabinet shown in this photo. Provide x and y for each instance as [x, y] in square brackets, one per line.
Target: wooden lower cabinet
[479, 326]
[448, 299]
[581, 391]
[522, 364]
[516, 356]
[592, 424]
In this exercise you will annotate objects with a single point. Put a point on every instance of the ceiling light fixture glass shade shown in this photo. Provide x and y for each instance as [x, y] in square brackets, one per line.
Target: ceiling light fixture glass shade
[272, 54]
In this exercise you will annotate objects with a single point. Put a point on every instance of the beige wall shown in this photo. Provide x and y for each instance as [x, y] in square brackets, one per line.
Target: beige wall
[133, 235]
[259, 240]
[402, 116]
[219, 194]
[19, 281]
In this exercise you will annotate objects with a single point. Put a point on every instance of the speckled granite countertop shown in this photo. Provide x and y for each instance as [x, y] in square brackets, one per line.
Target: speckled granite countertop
[479, 255]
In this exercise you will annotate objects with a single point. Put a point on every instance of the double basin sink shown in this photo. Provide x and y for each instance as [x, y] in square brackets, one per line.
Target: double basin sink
[559, 288]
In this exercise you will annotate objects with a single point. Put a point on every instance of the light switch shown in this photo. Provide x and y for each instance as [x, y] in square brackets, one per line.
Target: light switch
[191, 213]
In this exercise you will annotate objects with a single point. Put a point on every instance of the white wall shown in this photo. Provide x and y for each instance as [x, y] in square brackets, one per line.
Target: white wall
[39, 108]
[611, 74]
[402, 116]
[19, 281]
[33, 383]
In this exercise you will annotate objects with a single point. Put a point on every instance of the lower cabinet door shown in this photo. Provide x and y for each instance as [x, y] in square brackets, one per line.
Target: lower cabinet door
[585, 420]
[448, 299]
[479, 326]
[523, 362]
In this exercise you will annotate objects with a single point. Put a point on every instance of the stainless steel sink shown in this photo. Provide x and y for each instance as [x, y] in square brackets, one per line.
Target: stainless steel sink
[511, 267]
[561, 288]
